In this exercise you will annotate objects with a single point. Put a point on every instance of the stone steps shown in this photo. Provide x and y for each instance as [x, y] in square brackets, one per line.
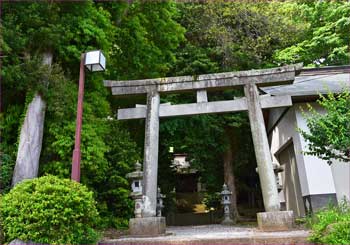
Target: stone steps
[216, 234]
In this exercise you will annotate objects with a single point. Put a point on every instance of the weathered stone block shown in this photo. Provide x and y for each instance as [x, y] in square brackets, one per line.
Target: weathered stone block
[149, 226]
[20, 242]
[276, 221]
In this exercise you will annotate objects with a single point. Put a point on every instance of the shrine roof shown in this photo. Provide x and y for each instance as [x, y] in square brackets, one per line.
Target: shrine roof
[315, 81]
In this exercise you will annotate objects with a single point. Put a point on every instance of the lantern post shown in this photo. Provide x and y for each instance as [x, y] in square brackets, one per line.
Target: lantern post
[93, 61]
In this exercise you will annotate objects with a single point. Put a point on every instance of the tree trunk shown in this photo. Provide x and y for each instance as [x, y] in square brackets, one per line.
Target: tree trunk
[30, 141]
[229, 176]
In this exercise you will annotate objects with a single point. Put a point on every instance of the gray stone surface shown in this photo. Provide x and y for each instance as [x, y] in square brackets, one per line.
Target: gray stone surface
[150, 164]
[275, 221]
[29, 147]
[31, 135]
[262, 150]
[20, 242]
[202, 96]
[217, 234]
[263, 77]
[150, 226]
[314, 203]
[236, 105]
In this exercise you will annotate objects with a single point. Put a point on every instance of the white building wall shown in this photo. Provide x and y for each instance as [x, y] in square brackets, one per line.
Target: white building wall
[341, 177]
[318, 172]
[284, 132]
[316, 176]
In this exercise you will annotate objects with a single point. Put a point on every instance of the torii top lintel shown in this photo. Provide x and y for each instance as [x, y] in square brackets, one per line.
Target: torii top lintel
[262, 77]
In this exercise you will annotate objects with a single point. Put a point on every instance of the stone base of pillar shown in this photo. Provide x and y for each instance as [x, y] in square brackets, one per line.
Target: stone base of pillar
[275, 221]
[227, 221]
[149, 226]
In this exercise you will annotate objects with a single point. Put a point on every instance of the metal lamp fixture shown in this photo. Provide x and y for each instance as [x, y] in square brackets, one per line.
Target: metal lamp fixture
[95, 61]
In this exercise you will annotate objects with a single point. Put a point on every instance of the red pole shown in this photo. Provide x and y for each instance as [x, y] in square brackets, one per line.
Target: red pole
[76, 153]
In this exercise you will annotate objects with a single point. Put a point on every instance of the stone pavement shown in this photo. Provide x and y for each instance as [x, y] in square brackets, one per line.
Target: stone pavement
[216, 234]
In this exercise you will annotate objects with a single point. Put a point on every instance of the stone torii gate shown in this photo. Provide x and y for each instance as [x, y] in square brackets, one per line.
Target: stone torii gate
[251, 80]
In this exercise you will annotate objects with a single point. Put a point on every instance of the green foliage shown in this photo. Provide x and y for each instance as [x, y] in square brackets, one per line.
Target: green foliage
[67, 30]
[50, 210]
[201, 137]
[329, 133]
[107, 151]
[64, 28]
[226, 36]
[212, 200]
[9, 124]
[146, 37]
[1, 225]
[6, 171]
[326, 41]
[115, 205]
[331, 226]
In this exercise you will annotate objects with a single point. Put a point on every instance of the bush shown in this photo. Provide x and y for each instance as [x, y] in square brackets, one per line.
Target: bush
[50, 210]
[1, 231]
[331, 226]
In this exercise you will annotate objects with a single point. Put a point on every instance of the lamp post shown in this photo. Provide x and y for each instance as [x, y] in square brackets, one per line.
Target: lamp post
[93, 61]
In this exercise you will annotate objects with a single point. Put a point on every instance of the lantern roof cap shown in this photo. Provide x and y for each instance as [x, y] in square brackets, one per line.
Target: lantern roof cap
[225, 190]
[137, 174]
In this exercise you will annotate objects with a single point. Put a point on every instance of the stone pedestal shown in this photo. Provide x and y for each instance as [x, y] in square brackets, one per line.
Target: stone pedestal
[275, 221]
[149, 226]
[227, 221]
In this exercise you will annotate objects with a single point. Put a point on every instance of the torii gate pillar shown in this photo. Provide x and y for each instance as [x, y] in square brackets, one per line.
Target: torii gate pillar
[150, 163]
[149, 224]
[262, 151]
[273, 219]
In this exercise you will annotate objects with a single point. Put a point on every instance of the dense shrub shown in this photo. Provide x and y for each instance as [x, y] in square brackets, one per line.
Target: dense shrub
[50, 210]
[1, 231]
[331, 226]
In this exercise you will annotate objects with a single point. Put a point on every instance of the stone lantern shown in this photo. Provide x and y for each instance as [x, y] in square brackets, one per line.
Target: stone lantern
[226, 201]
[136, 178]
[160, 204]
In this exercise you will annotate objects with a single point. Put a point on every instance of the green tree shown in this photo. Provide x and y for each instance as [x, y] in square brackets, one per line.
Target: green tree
[329, 133]
[146, 37]
[226, 36]
[326, 39]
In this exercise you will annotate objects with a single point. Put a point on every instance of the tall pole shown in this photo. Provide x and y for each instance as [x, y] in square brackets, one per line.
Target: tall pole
[76, 153]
